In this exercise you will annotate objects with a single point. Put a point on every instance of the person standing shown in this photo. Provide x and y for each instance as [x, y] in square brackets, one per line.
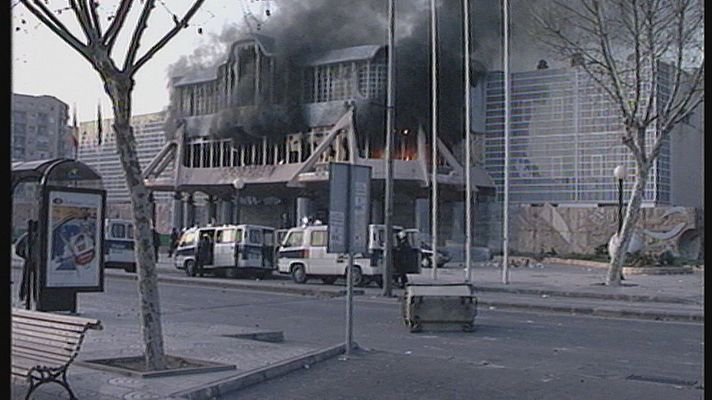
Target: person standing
[174, 242]
[26, 248]
[156, 242]
[401, 259]
[202, 254]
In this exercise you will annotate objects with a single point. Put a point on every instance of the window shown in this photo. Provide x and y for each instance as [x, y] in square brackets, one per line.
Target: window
[118, 231]
[294, 239]
[225, 236]
[255, 236]
[269, 238]
[188, 239]
[318, 238]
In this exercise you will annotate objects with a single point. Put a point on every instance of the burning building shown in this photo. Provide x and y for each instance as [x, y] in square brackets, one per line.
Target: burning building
[256, 134]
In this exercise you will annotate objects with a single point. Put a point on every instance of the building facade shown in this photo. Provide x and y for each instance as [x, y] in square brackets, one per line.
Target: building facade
[255, 135]
[565, 141]
[103, 157]
[40, 128]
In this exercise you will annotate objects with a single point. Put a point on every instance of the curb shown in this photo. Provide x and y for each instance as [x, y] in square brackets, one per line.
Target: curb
[600, 312]
[588, 295]
[222, 387]
[307, 291]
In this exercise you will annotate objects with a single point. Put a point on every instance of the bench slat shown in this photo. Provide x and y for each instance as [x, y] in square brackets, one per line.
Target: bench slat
[89, 323]
[30, 353]
[56, 344]
[30, 363]
[44, 329]
[48, 336]
[19, 371]
[46, 349]
[53, 325]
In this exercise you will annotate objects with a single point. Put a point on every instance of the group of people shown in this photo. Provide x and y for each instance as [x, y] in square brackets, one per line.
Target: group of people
[175, 236]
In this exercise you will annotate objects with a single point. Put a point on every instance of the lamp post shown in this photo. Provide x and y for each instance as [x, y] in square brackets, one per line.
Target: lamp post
[620, 173]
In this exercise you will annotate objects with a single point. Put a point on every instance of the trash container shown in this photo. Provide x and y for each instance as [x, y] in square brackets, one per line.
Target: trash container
[439, 307]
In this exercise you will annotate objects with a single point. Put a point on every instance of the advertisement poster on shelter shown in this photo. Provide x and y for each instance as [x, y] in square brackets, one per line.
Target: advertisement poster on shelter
[74, 239]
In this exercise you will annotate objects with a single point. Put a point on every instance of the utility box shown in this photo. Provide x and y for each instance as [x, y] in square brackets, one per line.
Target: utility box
[439, 307]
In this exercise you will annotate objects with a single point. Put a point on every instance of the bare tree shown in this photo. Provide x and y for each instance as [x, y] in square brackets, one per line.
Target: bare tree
[96, 46]
[647, 56]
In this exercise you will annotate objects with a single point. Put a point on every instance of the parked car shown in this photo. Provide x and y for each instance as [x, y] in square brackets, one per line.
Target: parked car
[119, 244]
[235, 249]
[303, 255]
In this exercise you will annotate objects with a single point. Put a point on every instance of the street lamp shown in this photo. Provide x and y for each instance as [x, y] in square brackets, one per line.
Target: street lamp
[620, 173]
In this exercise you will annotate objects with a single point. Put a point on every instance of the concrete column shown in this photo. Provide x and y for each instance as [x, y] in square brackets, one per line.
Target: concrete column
[304, 205]
[212, 210]
[177, 210]
[376, 211]
[189, 211]
[235, 215]
[225, 211]
[458, 221]
[422, 215]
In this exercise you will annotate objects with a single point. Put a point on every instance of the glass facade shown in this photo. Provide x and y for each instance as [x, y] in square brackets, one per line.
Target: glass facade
[565, 141]
[150, 139]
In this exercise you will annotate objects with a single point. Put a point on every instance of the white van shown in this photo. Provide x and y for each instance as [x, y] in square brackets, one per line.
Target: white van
[235, 249]
[303, 255]
[119, 244]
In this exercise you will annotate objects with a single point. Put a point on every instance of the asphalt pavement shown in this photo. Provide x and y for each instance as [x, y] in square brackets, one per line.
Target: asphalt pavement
[559, 348]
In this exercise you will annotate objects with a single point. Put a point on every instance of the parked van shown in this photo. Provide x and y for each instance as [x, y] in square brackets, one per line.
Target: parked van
[235, 249]
[303, 255]
[119, 244]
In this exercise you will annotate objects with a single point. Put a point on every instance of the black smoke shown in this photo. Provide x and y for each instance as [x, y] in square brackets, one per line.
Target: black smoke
[300, 28]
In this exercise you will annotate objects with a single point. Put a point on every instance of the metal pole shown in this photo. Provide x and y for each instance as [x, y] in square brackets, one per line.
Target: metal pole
[468, 183]
[349, 304]
[434, 95]
[505, 236]
[349, 272]
[390, 104]
[620, 206]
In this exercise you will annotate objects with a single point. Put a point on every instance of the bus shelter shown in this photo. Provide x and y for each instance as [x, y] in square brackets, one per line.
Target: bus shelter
[65, 244]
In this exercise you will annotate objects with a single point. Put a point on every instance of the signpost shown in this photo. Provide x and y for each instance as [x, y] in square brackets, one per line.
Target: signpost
[349, 198]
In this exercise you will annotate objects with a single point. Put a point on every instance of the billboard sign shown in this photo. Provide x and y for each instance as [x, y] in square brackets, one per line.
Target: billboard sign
[74, 252]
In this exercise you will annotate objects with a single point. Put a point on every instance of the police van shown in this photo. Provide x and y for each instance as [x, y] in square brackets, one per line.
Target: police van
[234, 249]
[303, 255]
[119, 244]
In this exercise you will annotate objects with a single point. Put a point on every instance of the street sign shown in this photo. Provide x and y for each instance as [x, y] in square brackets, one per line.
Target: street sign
[349, 199]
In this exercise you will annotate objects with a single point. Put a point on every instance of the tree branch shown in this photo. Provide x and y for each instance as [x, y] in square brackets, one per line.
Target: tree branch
[159, 45]
[95, 18]
[138, 32]
[609, 60]
[119, 19]
[83, 22]
[48, 19]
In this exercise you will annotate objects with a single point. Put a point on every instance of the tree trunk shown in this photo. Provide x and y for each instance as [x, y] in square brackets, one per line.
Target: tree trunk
[150, 313]
[613, 277]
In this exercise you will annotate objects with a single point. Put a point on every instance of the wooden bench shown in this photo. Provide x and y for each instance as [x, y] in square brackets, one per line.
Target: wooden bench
[44, 345]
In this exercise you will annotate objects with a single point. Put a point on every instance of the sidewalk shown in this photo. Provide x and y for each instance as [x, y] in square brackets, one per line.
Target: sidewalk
[257, 354]
[549, 288]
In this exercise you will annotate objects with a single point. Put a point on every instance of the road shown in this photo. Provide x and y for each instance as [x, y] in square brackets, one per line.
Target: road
[511, 355]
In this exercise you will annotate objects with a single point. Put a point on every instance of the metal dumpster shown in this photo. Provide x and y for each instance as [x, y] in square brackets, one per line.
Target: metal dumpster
[441, 307]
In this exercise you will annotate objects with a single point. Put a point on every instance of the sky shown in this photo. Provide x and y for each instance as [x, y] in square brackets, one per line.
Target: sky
[43, 64]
